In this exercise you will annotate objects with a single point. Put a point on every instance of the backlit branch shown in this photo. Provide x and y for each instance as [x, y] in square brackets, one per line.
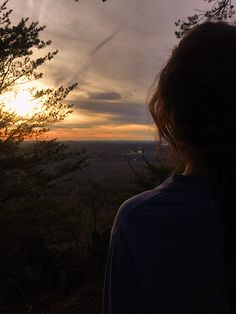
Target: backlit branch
[220, 10]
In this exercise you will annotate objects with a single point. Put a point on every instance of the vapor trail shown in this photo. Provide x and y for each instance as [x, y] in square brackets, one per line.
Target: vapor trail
[105, 41]
[80, 74]
[84, 68]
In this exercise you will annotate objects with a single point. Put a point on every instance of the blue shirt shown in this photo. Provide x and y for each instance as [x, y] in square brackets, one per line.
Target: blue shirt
[166, 251]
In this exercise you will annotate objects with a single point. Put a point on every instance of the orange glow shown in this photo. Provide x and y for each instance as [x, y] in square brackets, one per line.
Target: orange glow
[105, 132]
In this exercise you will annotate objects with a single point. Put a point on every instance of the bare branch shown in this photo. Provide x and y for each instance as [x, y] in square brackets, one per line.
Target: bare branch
[220, 10]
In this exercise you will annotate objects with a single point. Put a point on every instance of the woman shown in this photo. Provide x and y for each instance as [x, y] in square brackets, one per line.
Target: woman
[173, 248]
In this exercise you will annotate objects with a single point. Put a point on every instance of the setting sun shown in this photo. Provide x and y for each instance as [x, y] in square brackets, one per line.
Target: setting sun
[21, 102]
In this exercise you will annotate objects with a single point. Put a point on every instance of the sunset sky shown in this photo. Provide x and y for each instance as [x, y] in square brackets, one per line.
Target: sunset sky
[114, 50]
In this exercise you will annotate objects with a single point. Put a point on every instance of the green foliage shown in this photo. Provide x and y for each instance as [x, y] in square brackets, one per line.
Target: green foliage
[220, 10]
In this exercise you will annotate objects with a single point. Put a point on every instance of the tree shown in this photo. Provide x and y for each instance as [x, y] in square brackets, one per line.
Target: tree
[220, 10]
[94, 200]
[28, 168]
[148, 174]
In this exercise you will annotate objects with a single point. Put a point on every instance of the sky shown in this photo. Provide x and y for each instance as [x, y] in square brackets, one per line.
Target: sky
[114, 50]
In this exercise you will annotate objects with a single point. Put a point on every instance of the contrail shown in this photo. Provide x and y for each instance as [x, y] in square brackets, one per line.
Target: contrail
[81, 73]
[84, 68]
[105, 41]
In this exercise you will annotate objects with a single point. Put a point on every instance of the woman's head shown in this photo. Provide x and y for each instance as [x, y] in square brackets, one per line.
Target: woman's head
[194, 105]
[194, 101]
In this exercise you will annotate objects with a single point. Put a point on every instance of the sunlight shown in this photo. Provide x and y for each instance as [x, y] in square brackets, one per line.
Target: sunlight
[21, 102]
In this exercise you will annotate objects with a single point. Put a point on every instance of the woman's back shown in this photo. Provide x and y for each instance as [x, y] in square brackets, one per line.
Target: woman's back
[166, 252]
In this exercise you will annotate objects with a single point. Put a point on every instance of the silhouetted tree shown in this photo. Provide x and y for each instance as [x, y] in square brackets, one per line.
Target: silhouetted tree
[220, 10]
[27, 169]
[94, 199]
[149, 174]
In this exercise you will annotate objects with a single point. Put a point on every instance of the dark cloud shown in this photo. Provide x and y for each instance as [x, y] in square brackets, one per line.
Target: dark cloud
[99, 106]
[79, 125]
[105, 96]
[119, 112]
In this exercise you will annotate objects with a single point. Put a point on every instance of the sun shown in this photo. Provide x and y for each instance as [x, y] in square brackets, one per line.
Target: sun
[20, 102]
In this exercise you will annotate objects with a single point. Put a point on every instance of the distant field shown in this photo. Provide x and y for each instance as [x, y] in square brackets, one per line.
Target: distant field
[107, 160]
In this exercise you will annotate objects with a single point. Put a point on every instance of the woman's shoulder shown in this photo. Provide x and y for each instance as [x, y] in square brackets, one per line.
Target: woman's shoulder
[139, 202]
[172, 196]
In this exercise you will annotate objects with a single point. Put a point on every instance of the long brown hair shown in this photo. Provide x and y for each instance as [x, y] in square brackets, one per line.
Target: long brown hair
[194, 107]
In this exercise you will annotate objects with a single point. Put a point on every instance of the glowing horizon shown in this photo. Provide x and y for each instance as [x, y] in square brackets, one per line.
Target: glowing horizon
[114, 50]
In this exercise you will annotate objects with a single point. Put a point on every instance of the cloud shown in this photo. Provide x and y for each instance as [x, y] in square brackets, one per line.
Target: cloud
[30, 4]
[43, 9]
[83, 119]
[105, 95]
[118, 107]
[93, 113]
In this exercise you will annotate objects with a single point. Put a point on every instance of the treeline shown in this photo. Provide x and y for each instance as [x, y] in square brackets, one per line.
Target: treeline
[54, 246]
